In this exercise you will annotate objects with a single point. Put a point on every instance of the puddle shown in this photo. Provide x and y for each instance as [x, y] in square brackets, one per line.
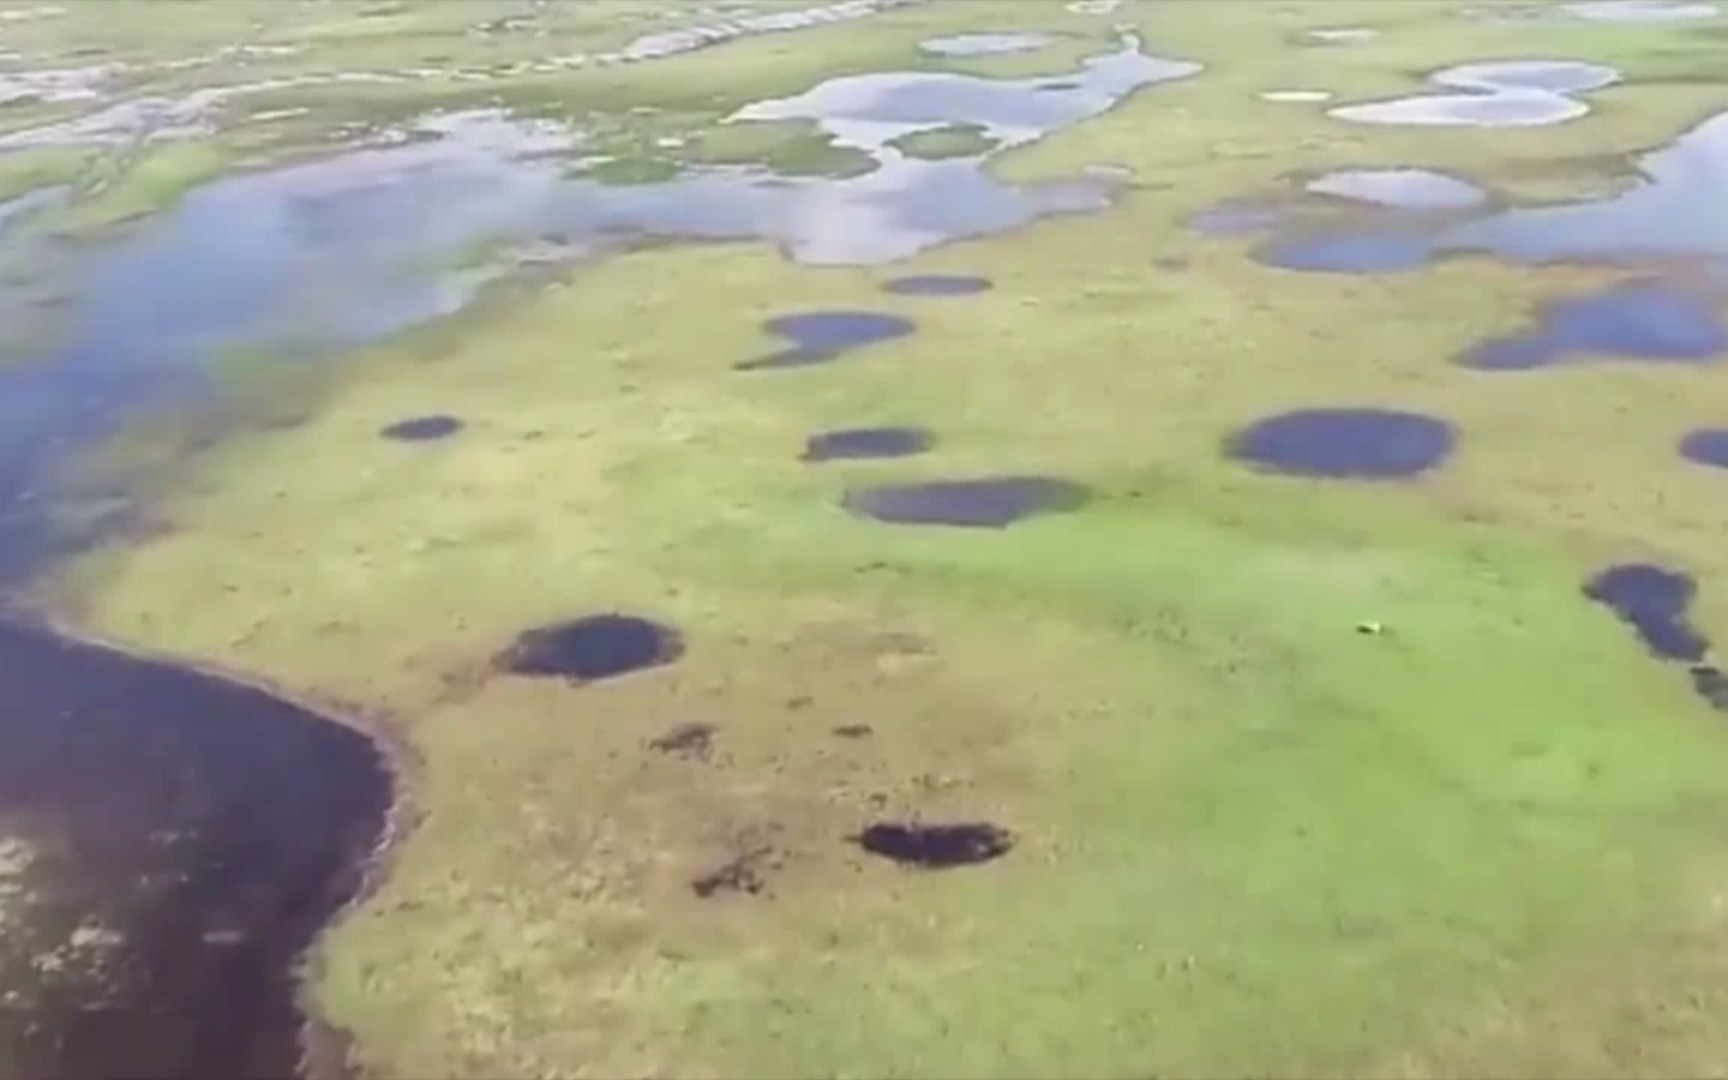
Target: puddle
[1708, 446]
[1709, 683]
[1513, 93]
[992, 503]
[1652, 600]
[879, 442]
[691, 740]
[935, 847]
[937, 285]
[984, 44]
[170, 842]
[422, 428]
[592, 648]
[820, 336]
[689, 39]
[1643, 320]
[1411, 189]
[1296, 96]
[1641, 11]
[1364, 444]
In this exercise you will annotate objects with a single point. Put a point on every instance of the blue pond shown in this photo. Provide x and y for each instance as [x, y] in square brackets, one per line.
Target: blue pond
[1642, 320]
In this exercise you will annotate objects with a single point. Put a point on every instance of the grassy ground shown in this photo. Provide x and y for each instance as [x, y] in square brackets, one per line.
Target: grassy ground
[1250, 839]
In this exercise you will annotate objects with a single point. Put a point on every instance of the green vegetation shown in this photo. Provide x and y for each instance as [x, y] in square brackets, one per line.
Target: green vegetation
[26, 170]
[1251, 840]
[789, 147]
[124, 188]
[952, 141]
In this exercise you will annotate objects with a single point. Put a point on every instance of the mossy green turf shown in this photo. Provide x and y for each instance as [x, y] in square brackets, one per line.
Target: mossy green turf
[1487, 840]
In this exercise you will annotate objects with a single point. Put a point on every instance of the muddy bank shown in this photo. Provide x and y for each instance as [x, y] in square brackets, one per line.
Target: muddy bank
[171, 841]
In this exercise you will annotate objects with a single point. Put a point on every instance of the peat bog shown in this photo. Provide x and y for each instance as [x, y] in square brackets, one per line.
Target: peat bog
[173, 840]
[820, 336]
[591, 648]
[985, 503]
[935, 847]
[876, 442]
[1345, 443]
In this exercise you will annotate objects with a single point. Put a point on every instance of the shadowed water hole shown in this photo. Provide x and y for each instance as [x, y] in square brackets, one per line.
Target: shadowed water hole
[935, 847]
[1653, 601]
[1643, 320]
[747, 873]
[989, 503]
[591, 648]
[422, 428]
[690, 740]
[820, 336]
[1350, 443]
[1707, 446]
[937, 285]
[170, 843]
[878, 442]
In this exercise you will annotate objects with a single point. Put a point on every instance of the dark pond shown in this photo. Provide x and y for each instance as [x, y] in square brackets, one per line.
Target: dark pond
[1708, 446]
[590, 648]
[935, 847]
[820, 336]
[1356, 443]
[879, 442]
[1653, 601]
[991, 503]
[1643, 320]
[422, 428]
[937, 285]
[170, 842]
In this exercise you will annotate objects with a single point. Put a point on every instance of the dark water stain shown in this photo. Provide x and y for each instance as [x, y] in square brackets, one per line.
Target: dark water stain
[1707, 446]
[878, 442]
[693, 740]
[854, 731]
[820, 336]
[1653, 601]
[1352, 443]
[1645, 320]
[744, 873]
[937, 285]
[591, 648]
[422, 428]
[934, 847]
[170, 843]
[985, 503]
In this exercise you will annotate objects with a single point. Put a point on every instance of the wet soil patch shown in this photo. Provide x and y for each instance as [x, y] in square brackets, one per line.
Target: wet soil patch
[990, 503]
[591, 648]
[1642, 321]
[820, 336]
[879, 442]
[1652, 600]
[173, 841]
[422, 428]
[1708, 446]
[1709, 683]
[1367, 444]
[854, 731]
[746, 873]
[935, 847]
[937, 285]
[692, 740]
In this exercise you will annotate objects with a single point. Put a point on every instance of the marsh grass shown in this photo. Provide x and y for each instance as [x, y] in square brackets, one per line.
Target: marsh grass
[1485, 840]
